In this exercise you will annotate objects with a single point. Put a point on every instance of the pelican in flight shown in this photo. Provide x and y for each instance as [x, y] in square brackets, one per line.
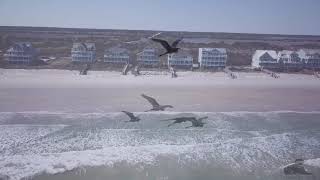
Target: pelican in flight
[197, 122]
[155, 105]
[169, 48]
[132, 117]
[179, 120]
[296, 168]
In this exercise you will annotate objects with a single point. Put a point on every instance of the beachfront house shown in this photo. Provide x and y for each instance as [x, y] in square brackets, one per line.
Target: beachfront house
[20, 53]
[310, 58]
[148, 57]
[290, 60]
[83, 52]
[265, 59]
[212, 57]
[181, 59]
[116, 55]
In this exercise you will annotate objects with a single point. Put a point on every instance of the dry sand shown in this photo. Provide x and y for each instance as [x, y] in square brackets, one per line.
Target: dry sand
[66, 91]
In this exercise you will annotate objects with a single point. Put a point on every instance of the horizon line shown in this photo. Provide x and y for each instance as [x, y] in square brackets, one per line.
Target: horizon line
[120, 29]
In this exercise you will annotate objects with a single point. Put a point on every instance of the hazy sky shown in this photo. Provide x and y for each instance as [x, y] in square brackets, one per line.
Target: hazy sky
[251, 16]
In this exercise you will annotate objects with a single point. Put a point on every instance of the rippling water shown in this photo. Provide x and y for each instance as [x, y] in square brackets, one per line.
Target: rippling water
[233, 145]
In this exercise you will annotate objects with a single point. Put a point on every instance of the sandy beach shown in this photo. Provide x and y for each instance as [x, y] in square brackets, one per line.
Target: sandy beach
[67, 91]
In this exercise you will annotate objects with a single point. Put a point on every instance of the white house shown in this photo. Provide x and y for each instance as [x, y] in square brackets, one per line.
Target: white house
[290, 59]
[148, 57]
[20, 53]
[212, 57]
[116, 55]
[181, 59]
[83, 52]
[310, 58]
[265, 59]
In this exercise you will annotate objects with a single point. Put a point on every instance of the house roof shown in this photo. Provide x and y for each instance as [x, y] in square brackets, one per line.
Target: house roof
[22, 47]
[221, 50]
[310, 51]
[86, 46]
[285, 53]
[148, 49]
[260, 53]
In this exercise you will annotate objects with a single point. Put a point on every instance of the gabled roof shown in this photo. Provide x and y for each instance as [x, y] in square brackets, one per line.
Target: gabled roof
[309, 51]
[148, 49]
[285, 53]
[21, 47]
[260, 53]
[85, 46]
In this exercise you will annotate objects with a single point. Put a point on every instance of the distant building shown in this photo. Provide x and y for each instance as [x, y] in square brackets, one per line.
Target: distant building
[212, 57]
[20, 53]
[148, 57]
[83, 52]
[181, 59]
[310, 58]
[290, 59]
[116, 55]
[265, 59]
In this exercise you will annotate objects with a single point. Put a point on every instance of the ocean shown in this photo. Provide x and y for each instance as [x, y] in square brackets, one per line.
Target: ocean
[230, 146]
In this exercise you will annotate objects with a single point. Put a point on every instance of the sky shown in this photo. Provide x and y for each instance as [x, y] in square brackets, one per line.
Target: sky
[238, 16]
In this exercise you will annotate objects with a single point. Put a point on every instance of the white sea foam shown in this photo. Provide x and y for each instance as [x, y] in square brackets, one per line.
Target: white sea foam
[55, 142]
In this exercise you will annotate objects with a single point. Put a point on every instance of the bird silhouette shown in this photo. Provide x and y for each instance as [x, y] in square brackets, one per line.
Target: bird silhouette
[155, 105]
[179, 120]
[197, 122]
[132, 117]
[169, 49]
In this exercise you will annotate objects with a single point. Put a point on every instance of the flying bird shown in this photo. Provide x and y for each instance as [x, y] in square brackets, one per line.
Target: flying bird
[132, 117]
[296, 168]
[169, 49]
[179, 120]
[155, 105]
[197, 122]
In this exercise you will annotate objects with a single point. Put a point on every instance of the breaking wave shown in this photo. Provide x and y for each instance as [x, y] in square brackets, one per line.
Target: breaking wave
[255, 143]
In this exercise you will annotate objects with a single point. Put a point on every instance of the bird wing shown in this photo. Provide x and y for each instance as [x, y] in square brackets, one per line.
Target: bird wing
[151, 100]
[193, 120]
[203, 118]
[164, 43]
[154, 35]
[173, 119]
[131, 115]
[176, 42]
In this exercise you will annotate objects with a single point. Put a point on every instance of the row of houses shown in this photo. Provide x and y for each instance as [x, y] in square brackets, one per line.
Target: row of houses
[270, 59]
[24, 53]
[208, 57]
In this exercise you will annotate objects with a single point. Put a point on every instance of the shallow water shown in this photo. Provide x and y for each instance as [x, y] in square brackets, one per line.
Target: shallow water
[231, 145]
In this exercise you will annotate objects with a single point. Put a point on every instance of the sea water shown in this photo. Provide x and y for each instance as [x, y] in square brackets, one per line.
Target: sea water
[231, 145]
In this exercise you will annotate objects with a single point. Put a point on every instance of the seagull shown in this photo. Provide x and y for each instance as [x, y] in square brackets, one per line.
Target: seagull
[296, 168]
[179, 120]
[155, 105]
[132, 117]
[197, 122]
[169, 49]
